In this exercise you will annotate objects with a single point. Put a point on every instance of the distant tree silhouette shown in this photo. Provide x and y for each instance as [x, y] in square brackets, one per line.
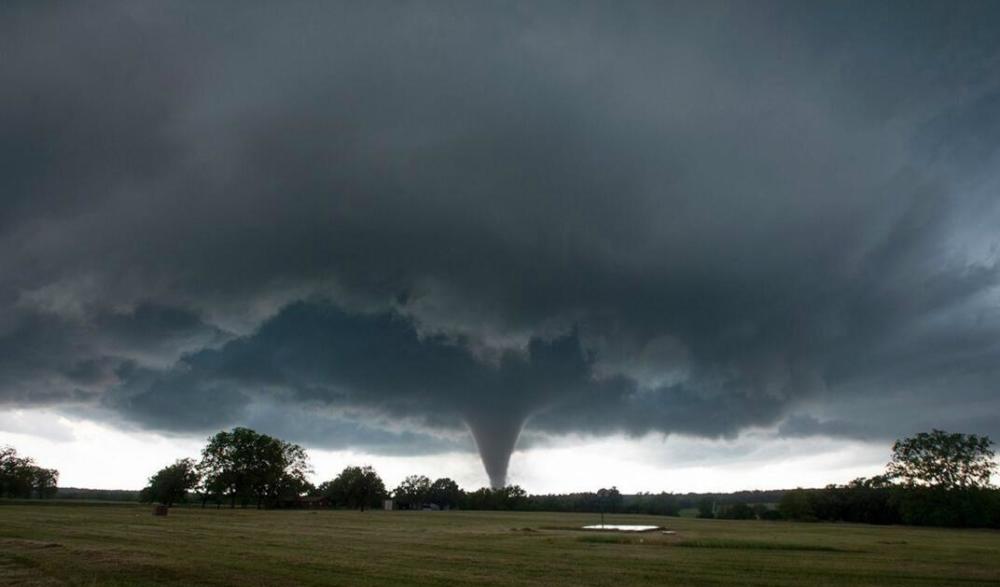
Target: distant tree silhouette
[245, 466]
[662, 504]
[21, 477]
[933, 479]
[355, 488]
[762, 512]
[609, 500]
[510, 497]
[943, 460]
[171, 484]
[445, 493]
[737, 511]
[706, 508]
[413, 492]
[46, 482]
[796, 505]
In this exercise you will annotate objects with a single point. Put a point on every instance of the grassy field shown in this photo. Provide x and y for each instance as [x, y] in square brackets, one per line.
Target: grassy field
[125, 545]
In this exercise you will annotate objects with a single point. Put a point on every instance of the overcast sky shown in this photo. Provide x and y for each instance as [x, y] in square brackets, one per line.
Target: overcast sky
[668, 246]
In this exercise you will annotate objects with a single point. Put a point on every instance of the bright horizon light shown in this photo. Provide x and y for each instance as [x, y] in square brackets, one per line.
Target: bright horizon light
[97, 456]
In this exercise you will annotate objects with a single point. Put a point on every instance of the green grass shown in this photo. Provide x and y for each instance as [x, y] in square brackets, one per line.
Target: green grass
[125, 545]
[688, 513]
[759, 545]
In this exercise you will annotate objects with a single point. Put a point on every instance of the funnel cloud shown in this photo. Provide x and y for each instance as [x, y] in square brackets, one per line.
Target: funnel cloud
[495, 439]
[441, 227]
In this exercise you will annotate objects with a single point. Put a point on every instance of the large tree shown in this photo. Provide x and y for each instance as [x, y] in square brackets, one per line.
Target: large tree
[609, 499]
[356, 488]
[413, 492]
[46, 482]
[943, 460]
[445, 493]
[172, 483]
[245, 466]
[21, 477]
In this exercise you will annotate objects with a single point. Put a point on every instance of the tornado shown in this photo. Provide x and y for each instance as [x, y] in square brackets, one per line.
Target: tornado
[496, 435]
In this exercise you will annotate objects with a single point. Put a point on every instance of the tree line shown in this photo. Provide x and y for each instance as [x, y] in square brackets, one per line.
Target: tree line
[20, 477]
[933, 479]
[244, 468]
[237, 467]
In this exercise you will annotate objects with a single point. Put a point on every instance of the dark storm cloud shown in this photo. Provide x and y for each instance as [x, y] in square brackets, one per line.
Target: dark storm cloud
[315, 353]
[727, 213]
[804, 426]
[50, 357]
